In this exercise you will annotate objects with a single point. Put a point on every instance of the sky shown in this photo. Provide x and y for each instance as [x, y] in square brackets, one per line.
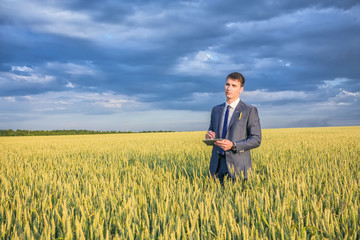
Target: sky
[161, 65]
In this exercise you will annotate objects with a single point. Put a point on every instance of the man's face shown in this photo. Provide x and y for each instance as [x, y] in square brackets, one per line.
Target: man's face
[233, 89]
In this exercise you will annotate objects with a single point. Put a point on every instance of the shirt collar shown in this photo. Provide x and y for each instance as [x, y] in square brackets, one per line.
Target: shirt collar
[233, 104]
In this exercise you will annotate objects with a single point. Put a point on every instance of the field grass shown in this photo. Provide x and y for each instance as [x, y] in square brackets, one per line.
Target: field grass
[304, 185]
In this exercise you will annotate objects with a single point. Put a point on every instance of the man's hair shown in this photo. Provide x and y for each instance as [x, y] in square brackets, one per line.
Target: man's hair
[237, 76]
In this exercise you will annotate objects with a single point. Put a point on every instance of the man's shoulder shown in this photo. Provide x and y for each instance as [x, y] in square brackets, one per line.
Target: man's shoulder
[246, 105]
[218, 106]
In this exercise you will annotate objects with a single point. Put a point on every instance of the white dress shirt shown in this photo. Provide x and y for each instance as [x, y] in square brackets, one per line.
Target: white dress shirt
[231, 112]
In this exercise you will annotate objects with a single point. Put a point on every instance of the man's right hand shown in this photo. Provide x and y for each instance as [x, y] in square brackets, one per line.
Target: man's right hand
[210, 135]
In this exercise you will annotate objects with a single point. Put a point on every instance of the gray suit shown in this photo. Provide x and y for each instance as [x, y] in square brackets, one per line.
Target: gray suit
[244, 129]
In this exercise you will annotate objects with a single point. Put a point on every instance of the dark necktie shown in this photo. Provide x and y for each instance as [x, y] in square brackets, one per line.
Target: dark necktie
[223, 135]
[225, 125]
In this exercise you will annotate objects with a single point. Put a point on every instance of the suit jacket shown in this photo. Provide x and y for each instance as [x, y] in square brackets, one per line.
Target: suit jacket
[244, 129]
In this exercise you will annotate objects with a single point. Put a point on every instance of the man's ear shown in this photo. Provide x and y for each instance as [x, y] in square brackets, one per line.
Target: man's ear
[241, 89]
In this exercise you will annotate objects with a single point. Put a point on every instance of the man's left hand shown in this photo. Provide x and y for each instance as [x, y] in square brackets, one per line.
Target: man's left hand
[224, 144]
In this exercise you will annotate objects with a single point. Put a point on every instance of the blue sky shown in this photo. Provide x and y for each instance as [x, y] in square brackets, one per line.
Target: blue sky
[161, 65]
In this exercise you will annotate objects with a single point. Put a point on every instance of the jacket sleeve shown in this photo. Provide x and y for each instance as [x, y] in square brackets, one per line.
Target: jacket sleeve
[211, 127]
[253, 130]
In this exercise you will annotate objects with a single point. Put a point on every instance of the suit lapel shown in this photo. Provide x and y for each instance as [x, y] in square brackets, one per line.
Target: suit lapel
[236, 115]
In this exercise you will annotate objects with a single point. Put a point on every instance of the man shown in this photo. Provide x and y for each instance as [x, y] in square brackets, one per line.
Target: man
[238, 124]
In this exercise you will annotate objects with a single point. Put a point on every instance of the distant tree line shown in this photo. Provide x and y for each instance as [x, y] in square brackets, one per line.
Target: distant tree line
[19, 132]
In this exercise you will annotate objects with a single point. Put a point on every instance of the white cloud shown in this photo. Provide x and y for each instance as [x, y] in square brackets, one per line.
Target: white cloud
[20, 75]
[73, 101]
[34, 78]
[50, 109]
[21, 69]
[69, 85]
[215, 64]
[28, 74]
[8, 99]
[329, 93]
[72, 68]
[205, 62]
[344, 98]
[265, 96]
[103, 111]
[7, 78]
[286, 64]
[333, 83]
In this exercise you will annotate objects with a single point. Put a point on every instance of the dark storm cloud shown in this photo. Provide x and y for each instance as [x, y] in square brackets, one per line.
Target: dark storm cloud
[175, 55]
[311, 41]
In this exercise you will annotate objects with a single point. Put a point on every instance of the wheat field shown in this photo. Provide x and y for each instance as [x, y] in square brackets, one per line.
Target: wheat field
[304, 185]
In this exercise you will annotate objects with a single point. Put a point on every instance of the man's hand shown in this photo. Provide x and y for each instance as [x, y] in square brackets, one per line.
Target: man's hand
[210, 135]
[224, 144]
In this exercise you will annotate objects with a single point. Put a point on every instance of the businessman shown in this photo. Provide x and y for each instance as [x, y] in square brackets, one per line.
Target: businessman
[238, 124]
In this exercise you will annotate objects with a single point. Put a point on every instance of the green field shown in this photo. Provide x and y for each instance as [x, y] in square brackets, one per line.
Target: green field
[304, 185]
